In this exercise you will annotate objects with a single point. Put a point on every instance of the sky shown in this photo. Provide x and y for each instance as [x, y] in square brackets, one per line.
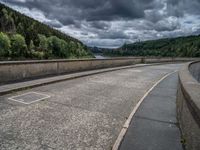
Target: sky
[111, 23]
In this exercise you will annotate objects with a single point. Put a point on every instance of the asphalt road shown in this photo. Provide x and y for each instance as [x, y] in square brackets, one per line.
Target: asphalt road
[85, 113]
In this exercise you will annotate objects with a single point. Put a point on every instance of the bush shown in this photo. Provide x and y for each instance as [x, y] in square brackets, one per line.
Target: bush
[58, 47]
[64, 53]
[54, 45]
[37, 54]
[4, 45]
[31, 46]
[18, 46]
[43, 43]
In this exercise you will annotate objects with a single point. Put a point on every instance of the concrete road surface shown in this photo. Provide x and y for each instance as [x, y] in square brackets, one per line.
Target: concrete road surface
[154, 125]
[86, 113]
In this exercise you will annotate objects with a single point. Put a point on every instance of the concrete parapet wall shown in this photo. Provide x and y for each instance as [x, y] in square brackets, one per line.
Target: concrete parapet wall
[188, 105]
[195, 70]
[20, 70]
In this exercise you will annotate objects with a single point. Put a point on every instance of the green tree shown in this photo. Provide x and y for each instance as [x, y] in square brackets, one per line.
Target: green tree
[72, 47]
[10, 25]
[43, 42]
[13, 22]
[54, 45]
[31, 46]
[64, 49]
[3, 19]
[38, 55]
[18, 45]
[59, 47]
[4, 45]
[20, 29]
[31, 49]
[31, 33]
[6, 21]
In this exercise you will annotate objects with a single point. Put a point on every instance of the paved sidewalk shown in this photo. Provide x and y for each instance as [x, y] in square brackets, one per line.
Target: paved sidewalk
[154, 126]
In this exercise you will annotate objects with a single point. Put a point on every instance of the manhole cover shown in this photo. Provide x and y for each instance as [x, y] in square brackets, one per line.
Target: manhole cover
[29, 98]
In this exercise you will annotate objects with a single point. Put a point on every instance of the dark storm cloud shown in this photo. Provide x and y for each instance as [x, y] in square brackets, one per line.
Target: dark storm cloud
[53, 24]
[100, 25]
[169, 24]
[115, 21]
[89, 9]
[180, 7]
[197, 32]
[113, 35]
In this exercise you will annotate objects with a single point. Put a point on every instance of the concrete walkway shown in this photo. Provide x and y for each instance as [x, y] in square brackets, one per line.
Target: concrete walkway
[85, 113]
[154, 126]
[8, 88]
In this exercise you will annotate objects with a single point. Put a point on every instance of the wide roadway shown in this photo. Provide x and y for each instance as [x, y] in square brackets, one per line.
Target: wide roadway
[83, 113]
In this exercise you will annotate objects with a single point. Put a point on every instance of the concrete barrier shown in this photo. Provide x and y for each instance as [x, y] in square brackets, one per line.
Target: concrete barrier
[188, 105]
[195, 70]
[20, 70]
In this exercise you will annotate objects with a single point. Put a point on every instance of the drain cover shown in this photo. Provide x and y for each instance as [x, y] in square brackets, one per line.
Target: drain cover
[29, 98]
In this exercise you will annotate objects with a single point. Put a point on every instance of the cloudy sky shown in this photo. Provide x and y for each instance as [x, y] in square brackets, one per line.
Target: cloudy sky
[111, 23]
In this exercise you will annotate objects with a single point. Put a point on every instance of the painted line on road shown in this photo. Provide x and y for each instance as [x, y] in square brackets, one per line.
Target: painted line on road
[128, 121]
[45, 96]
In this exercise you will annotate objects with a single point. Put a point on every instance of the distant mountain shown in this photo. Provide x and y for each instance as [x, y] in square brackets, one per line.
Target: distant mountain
[170, 47]
[41, 40]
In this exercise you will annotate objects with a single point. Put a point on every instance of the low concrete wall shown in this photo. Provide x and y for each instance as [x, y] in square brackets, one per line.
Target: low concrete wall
[20, 70]
[156, 60]
[188, 105]
[195, 70]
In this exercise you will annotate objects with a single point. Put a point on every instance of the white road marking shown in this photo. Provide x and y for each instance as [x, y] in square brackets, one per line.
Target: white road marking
[22, 101]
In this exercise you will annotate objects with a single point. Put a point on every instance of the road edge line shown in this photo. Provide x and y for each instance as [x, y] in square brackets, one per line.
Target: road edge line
[128, 121]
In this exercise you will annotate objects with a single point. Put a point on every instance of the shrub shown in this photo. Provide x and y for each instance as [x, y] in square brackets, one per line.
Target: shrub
[4, 45]
[43, 43]
[54, 45]
[18, 45]
[58, 47]
[37, 54]
[64, 53]
[31, 46]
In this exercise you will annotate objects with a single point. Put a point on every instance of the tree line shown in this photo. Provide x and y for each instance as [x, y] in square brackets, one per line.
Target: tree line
[24, 37]
[170, 47]
[14, 46]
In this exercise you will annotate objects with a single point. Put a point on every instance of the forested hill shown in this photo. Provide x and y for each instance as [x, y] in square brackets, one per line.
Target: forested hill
[171, 47]
[22, 37]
